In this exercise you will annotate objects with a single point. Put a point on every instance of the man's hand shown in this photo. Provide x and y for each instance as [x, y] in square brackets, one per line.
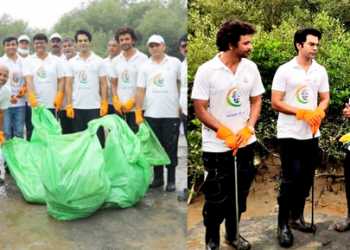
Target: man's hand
[117, 105]
[104, 108]
[138, 116]
[243, 136]
[224, 133]
[13, 99]
[2, 137]
[346, 111]
[70, 111]
[22, 92]
[32, 100]
[58, 101]
[129, 105]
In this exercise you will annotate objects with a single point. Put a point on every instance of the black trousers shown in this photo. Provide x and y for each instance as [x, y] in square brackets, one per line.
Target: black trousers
[298, 162]
[29, 124]
[82, 117]
[66, 123]
[129, 118]
[167, 132]
[219, 189]
[347, 179]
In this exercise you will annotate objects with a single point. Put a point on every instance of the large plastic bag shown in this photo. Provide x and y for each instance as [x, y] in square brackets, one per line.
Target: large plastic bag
[151, 147]
[24, 158]
[126, 166]
[73, 174]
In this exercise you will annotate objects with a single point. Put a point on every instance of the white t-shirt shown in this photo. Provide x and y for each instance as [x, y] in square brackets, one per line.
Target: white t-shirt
[108, 64]
[126, 73]
[301, 91]
[45, 77]
[5, 95]
[86, 84]
[160, 81]
[228, 95]
[183, 91]
[16, 79]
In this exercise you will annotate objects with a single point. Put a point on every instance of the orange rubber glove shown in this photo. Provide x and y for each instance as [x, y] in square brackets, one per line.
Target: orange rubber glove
[104, 108]
[319, 115]
[22, 92]
[129, 105]
[70, 111]
[2, 137]
[58, 101]
[243, 136]
[117, 105]
[13, 99]
[32, 100]
[230, 138]
[138, 116]
[308, 116]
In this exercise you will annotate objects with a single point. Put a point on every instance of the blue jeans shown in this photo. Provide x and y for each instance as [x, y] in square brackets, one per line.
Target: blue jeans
[14, 118]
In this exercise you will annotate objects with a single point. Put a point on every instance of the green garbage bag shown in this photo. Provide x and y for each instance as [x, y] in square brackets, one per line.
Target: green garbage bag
[20, 160]
[24, 158]
[73, 176]
[125, 165]
[151, 147]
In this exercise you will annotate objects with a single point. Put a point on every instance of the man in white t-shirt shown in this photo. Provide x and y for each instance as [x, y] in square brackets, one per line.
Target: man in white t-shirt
[124, 71]
[69, 51]
[228, 129]
[296, 87]
[113, 51]
[16, 112]
[5, 95]
[159, 81]
[56, 45]
[23, 46]
[86, 86]
[44, 78]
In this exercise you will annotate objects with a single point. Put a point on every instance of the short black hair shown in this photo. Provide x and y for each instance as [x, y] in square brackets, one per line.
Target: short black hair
[82, 32]
[125, 30]
[230, 33]
[8, 39]
[40, 36]
[300, 36]
[183, 38]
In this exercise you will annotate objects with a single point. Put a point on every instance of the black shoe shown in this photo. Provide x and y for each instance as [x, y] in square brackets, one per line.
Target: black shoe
[243, 243]
[156, 183]
[301, 225]
[285, 236]
[183, 197]
[212, 245]
[170, 187]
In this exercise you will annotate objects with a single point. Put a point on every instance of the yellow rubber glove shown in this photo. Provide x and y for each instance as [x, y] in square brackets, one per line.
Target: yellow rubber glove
[13, 99]
[70, 111]
[32, 100]
[2, 137]
[138, 116]
[104, 108]
[129, 105]
[243, 136]
[224, 133]
[117, 105]
[345, 138]
[22, 92]
[58, 101]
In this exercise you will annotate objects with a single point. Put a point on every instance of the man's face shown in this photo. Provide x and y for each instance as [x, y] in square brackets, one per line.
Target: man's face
[156, 49]
[56, 45]
[183, 48]
[113, 48]
[40, 46]
[23, 44]
[68, 49]
[11, 47]
[244, 46]
[126, 42]
[4, 75]
[309, 48]
[83, 43]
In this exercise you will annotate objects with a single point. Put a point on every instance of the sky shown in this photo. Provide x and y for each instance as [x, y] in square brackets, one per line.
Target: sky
[40, 13]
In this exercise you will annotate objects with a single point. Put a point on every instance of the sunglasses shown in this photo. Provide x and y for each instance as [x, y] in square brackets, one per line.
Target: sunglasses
[183, 46]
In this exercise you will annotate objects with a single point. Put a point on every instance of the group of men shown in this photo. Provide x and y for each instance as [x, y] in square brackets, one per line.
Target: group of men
[227, 96]
[77, 87]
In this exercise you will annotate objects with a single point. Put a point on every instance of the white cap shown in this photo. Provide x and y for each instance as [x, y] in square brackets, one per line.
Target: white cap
[155, 39]
[24, 38]
[55, 35]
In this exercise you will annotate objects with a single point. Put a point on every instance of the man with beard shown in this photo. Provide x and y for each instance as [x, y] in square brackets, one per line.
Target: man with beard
[124, 71]
[56, 45]
[86, 82]
[15, 114]
[5, 95]
[299, 118]
[113, 50]
[227, 130]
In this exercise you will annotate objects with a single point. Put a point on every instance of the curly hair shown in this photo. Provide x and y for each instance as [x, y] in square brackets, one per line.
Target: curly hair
[125, 30]
[230, 33]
